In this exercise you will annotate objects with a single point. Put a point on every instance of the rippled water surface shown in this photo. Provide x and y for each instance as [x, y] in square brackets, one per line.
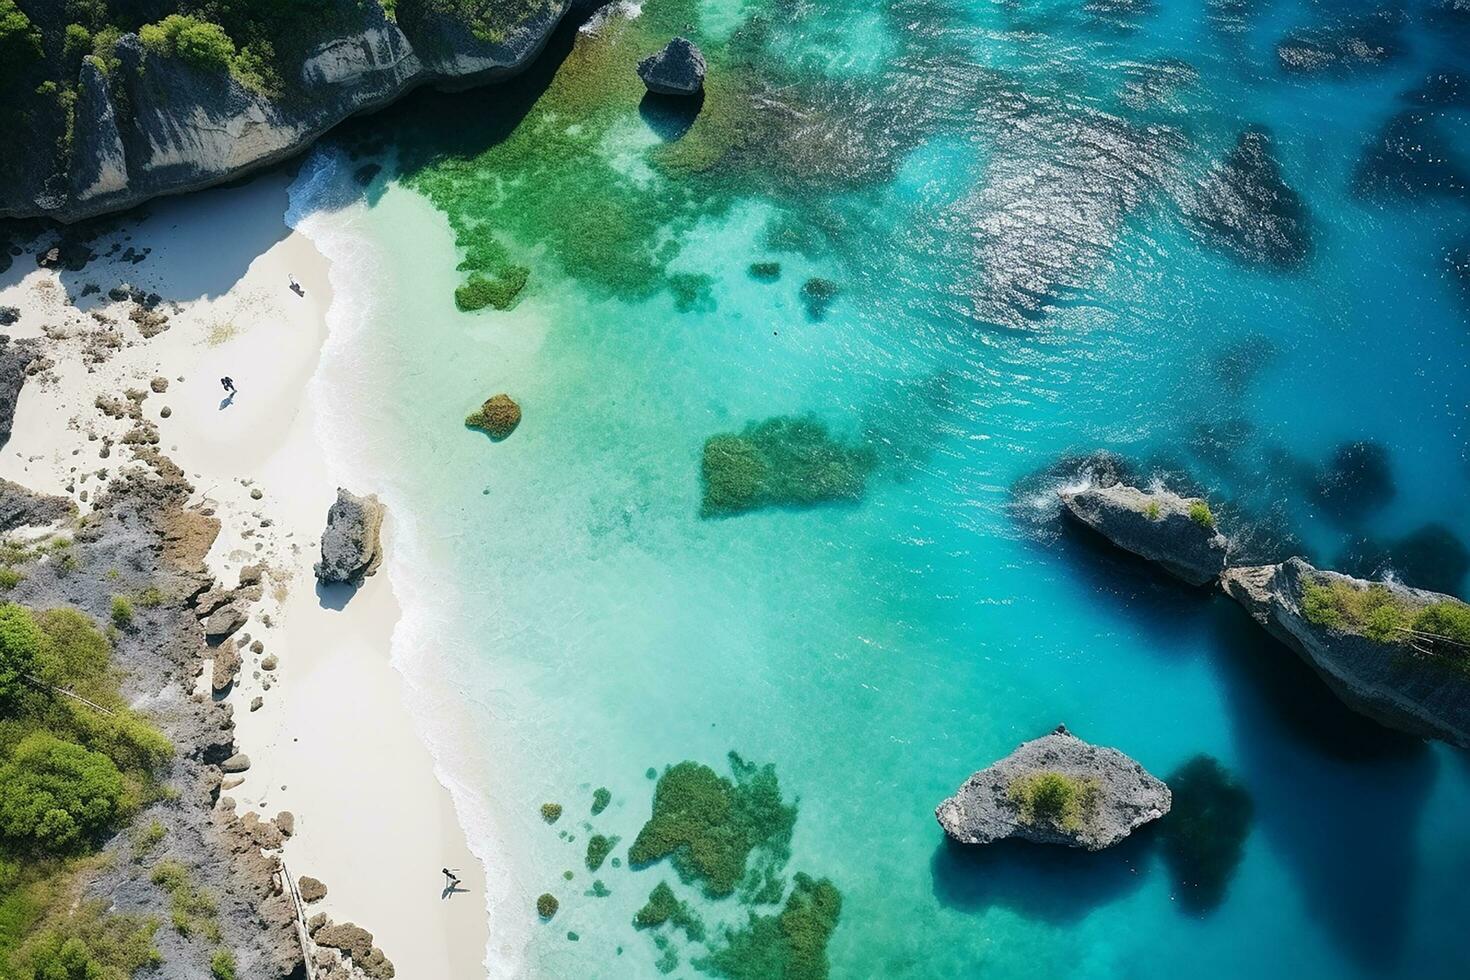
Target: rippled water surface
[1226, 241]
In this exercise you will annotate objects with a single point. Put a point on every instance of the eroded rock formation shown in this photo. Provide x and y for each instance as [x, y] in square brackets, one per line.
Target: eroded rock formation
[1176, 532]
[350, 546]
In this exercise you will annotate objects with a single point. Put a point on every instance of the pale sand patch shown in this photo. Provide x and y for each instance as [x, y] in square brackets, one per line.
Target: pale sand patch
[333, 741]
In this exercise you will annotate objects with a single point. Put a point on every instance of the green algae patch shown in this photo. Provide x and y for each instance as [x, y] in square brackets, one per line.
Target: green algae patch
[598, 889]
[765, 271]
[598, 848]
[546, 905]
[601, 797]
[791, 945]
[781, 462]
[551, 812]
[664, 907]
[709, 826]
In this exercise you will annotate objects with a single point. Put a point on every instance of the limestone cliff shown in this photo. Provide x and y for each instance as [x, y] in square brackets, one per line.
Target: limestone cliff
[155, 125]
[1407, 685]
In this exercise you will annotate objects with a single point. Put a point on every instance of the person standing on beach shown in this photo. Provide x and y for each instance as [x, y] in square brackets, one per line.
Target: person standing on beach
[228, 384]
[451, 879]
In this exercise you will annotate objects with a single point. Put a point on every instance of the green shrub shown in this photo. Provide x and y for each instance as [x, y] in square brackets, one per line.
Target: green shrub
[89, 943]
[222, 966]
[56, 797]
[122, 611]
[21, 641]
[1053, 798]
[147, 839]
[191, 910]
[10, 577]
[196, 42]
[1374, 612]
[1152, 511]
[1450, 620]
[20, 42]
[151, 597]
[1200, 513]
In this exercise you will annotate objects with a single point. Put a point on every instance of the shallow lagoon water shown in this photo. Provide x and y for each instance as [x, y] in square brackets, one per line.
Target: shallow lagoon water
[571, 621]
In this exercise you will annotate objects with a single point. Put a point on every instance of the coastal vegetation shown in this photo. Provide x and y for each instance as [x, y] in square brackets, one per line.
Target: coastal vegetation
[75, 764]
[1200, 513]
[1385, 616]
[781, 462]
[709, 825]
[1054, 799]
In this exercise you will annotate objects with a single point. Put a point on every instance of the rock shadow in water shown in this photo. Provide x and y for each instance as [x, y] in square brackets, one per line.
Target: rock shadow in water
[1356, 481]
[1337, 796]
[670, 116]
[1059, 885]
[1202, 837]
[1431, 557]
[1414, 157]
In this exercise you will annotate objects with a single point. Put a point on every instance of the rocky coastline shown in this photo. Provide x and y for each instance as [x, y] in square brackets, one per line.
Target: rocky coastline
[153, 126]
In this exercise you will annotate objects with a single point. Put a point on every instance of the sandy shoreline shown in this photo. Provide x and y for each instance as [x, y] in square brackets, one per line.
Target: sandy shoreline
[332, 740]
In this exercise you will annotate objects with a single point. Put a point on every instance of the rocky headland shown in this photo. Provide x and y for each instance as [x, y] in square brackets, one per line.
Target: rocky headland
[148, 122]
[1178, 533]
[1056, 789]
[1399, 655]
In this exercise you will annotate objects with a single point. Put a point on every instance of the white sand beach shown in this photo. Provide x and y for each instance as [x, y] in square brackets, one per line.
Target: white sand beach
[332, 739]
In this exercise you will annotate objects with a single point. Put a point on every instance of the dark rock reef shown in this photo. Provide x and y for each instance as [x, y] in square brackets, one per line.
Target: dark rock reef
[351, 550]
[1056, 789]
[1401, 656]
[497, 418]
[1367, 41]
[1246, 207]
[148, 121]
[1176, 532]
[676, 70]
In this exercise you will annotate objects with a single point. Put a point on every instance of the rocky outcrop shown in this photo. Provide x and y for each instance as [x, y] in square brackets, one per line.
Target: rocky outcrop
[1178, 533]
[185, 129]
[1110, 796]
[15, 357]
[350, 546]
[676, 70]
[1420, 691]
[20, 507]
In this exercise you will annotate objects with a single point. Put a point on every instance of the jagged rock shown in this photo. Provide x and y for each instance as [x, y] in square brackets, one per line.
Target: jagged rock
[15, 357]
[350, 546]
[250, 574]
[269, 663]
[498, 417]
[1116, 796]
[9, 315]
[676, 70]
[225, 620]
[226, 666]
[351, 939]
[20, 507]
[286, 820]
[256, 703]
[1405, 684]
[184, 128]
[316, 923]
[263, 833]
[312, 890]
[1160, 526]
[159, 385]
[1246, 207]
[239, 762]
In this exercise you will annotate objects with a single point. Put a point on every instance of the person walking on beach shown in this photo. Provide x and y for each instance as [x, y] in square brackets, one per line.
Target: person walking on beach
[295, 286]
[228, 384]
[451, 879]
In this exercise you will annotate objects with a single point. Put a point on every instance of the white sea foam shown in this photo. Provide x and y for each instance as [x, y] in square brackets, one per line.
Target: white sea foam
[325, 205]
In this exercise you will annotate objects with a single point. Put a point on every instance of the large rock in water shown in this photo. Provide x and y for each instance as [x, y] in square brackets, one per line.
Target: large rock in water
[1176, 532]
[1116, 796]
[676, 70]
[350, 546]
[1402, 682]
[1246, 207]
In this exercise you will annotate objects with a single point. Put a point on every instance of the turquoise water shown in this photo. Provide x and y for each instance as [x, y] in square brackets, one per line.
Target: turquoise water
[1018, 282]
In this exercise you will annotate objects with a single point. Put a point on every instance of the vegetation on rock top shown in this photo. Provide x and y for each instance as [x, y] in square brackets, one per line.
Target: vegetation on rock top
[1385, 616]
[1053, 799]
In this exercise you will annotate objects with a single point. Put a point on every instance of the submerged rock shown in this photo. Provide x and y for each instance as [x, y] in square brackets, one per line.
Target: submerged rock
[1414, 155]
[351, 550]
[498, 417]
[1056, 789]
[1204, 834]
[781, 462]
[1356, 481]
[676, 70]
[1398, 655]
[1176, 532]
[1246, 206]
[1368, 41]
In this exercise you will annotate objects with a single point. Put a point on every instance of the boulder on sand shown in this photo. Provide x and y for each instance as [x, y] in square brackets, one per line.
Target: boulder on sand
[676, 70]
[350, 546]
[1176, 532]
[1056, 789]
